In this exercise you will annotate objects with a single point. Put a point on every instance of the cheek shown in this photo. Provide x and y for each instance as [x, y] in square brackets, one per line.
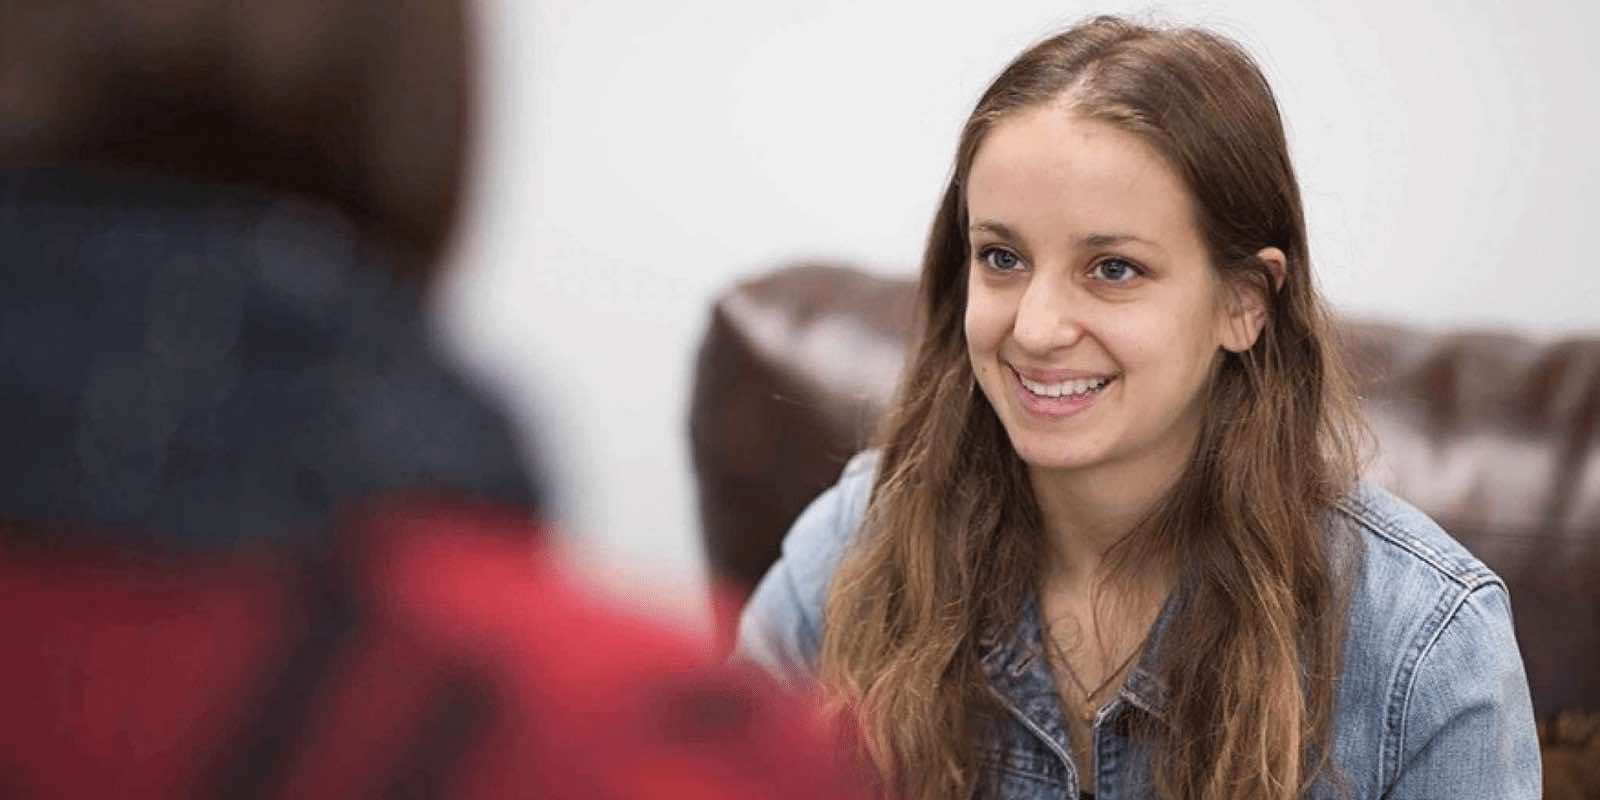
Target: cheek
[987, 321]
[1176, 343]
[1155, 341]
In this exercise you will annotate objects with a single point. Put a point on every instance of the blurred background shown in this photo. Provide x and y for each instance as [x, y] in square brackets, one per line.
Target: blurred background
[635, 159]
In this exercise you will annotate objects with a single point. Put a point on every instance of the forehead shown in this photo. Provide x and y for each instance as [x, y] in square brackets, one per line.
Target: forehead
[1050, 173]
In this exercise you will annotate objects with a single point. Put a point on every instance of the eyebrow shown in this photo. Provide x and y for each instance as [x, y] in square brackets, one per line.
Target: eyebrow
[1093, 240]
[992, 227]
[1114, 239]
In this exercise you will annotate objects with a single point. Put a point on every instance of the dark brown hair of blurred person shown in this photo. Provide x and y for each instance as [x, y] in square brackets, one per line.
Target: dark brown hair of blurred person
[958, 544]
[360, 103]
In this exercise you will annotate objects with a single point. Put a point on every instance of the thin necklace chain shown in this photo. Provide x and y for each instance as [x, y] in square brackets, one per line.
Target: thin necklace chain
[1089, 695]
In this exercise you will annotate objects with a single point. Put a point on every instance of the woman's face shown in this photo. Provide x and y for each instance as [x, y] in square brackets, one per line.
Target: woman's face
[1093, 316]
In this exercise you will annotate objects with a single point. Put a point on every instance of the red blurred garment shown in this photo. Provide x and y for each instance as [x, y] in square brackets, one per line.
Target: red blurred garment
[427, 655]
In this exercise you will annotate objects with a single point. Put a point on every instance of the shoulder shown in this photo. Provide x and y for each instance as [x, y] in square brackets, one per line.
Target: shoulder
[823, 533]
[619, 704]
[1429, 638]
[1409, 579]
[1400, 536]
[781, 627]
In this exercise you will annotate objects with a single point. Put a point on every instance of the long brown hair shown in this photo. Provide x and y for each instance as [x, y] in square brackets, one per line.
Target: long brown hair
[954, 543]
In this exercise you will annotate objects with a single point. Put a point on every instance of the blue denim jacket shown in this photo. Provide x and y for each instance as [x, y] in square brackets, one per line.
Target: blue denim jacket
[1432, 702]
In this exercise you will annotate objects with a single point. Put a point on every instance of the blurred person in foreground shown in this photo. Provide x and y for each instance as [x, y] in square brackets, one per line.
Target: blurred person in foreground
[256, 538]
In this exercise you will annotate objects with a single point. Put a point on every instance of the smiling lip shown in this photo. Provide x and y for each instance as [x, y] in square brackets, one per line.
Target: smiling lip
[1057, 407]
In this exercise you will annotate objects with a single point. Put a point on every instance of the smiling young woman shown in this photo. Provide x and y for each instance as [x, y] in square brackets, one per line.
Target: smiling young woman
[1114, 541]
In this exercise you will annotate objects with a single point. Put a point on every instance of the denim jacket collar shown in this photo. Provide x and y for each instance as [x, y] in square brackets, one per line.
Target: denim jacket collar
[1019, 672]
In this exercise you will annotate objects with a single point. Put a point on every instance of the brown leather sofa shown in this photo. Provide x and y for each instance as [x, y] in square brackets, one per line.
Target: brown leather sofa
[1496, 436]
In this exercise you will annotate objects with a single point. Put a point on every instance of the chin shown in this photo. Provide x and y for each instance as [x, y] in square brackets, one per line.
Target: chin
[1054, 456]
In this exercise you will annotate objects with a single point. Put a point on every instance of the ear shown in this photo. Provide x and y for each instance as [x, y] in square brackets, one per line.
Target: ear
[1246, 311]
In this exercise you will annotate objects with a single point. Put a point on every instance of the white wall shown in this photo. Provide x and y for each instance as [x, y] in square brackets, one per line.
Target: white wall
[638, 157]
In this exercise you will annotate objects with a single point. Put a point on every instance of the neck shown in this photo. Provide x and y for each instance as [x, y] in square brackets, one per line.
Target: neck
[1088, 512]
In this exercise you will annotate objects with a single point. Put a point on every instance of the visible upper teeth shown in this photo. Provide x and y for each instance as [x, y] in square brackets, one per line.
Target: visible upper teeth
[1064, 388]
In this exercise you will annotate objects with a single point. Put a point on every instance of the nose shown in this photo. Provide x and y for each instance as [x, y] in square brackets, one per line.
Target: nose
[1048, 315]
